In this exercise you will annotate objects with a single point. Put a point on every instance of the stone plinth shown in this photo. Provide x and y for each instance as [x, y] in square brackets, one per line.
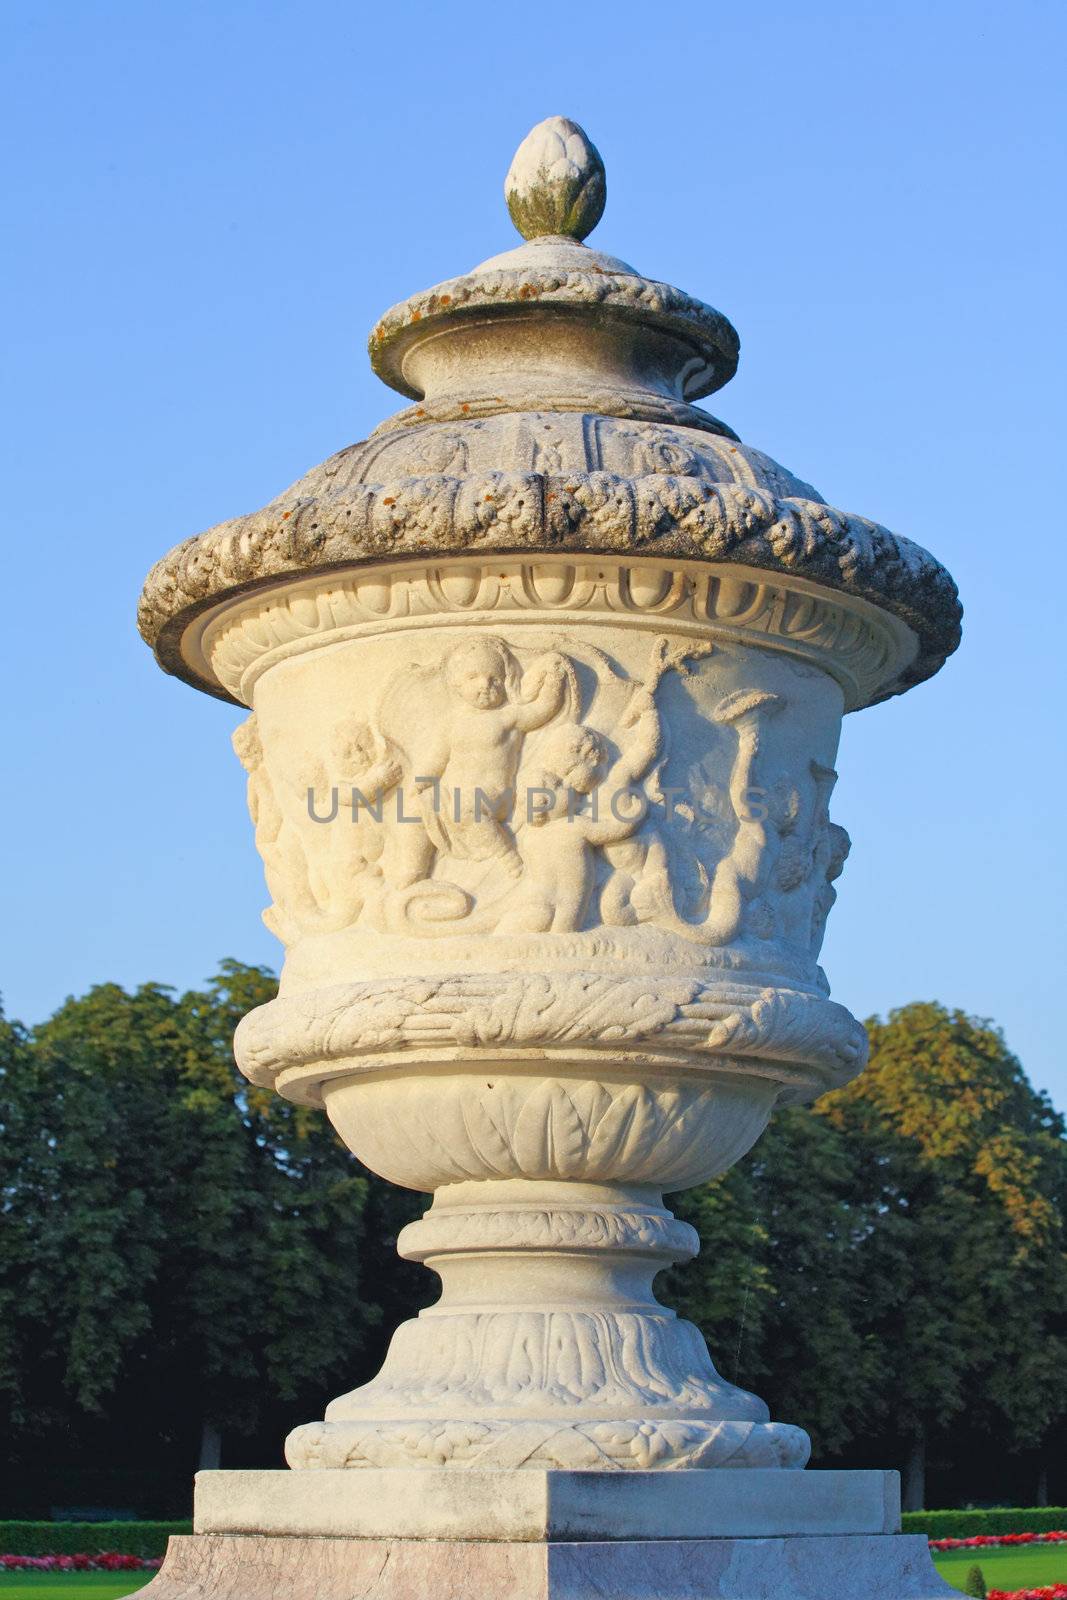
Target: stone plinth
[442, 1504]
[253, 1567]
[439, 1534]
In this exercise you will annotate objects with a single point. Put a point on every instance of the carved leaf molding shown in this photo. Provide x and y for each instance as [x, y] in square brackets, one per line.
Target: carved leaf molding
[439, 1232]
[604, 1447]
[515, 1011]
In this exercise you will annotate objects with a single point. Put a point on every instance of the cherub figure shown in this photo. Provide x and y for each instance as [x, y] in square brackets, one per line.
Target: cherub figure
[831, 854]
[490, 709]
[639, 887]
[742, 874]
[558, 837]
[357, 845]
[804, 856]
[294, 907]
[366, 764]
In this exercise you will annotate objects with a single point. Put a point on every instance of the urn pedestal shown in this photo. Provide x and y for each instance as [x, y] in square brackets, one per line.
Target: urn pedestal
[546, 681]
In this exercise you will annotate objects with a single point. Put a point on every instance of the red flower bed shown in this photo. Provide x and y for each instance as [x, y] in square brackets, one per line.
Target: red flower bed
[1053, 1591]
[113, 1561]
[982, 1541]
[104, 1561]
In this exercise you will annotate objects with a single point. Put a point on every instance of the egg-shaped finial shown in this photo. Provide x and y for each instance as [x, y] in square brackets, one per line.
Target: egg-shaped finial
[556, 182]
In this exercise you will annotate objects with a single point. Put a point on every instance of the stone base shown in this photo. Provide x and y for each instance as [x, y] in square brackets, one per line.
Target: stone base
[259, 1567]
[448, 1534]
[533, 1505]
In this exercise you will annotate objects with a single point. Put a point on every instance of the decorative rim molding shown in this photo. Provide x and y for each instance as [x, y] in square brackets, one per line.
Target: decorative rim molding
[473, 1229]
[296, 1043]
[861, 647]
[659, 517]
[532, 289]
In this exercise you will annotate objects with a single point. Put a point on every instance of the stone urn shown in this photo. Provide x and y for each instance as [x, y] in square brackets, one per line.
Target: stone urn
[545, 682]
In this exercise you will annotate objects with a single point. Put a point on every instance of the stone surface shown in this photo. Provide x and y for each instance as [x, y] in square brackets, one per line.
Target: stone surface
[557, 1014]
[235, 1567]
[421, 1503]
[556, 182]
[546, 681]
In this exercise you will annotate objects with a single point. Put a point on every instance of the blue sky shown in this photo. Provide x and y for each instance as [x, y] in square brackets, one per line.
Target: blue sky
[209, 205]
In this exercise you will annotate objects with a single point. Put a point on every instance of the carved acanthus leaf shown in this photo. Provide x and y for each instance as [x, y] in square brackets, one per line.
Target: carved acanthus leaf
[515, 1011]
[635, 1446]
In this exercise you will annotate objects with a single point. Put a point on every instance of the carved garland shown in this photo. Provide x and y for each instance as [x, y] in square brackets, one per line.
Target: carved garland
[800, 1037]
[657, 515]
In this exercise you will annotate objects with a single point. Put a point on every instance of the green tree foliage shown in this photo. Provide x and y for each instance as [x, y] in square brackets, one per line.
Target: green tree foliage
[967, 1164]
[780, 1288]
[183, 1253]
[17, 1144]
[896, 1255]
[974, 1583]
[176, 1242]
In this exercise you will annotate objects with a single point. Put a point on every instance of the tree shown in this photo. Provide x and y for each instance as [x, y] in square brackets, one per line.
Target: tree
[727, 1291]
[266, 1285]
[17, 1139]
[780, 1289]
[83, 1138]
[888, 1268]
[188, 1262]
[184, 1256]
[963, 1166]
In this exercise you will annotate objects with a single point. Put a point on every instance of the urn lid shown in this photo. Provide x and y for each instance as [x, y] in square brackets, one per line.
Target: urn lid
[555, 325]
[554, 413]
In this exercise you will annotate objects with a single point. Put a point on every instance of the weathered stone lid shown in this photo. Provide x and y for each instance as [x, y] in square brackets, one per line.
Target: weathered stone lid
[596, 318]
[554, 390]
[554, 325]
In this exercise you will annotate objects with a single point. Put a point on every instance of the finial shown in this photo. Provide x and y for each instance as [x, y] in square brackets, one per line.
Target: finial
[556, 182]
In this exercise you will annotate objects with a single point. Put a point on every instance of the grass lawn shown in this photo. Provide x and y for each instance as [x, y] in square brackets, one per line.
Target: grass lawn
[1029, 1568]
[70, 1585]
[1003, 1569]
